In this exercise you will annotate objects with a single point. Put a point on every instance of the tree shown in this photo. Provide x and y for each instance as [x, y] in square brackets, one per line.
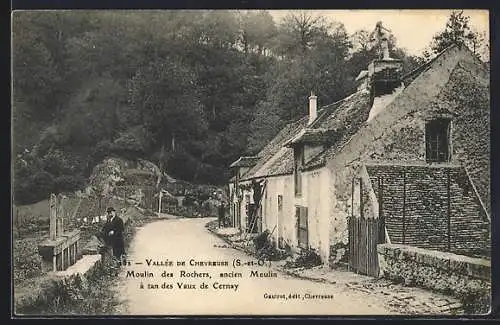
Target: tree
[257, 29]
[479, 44]
[457, 32]
[34, 67]
[218, 28]
[314, 52]
[298, 32]
[182, 88]
[165, 93]
[264, 126]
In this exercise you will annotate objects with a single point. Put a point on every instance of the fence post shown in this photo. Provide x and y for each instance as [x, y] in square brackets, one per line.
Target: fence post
[349, 234]
[361, 203]
[367, 222]
[449, 208]
[352, 197]
[404, 205]
[381, 228]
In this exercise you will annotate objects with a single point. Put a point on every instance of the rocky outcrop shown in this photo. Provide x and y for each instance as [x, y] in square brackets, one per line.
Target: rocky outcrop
[114, 171]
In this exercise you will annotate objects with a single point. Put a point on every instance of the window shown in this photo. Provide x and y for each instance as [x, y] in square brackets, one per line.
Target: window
[302, 226]
[437, 140]
[298, 162]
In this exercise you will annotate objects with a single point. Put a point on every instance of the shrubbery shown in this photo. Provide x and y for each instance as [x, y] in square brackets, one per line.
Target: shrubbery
[35, 178]
[475, 298]
[68, 183]
[266, 250]
[80, 295]
[27, 262]
[270, 253]
[261, 240]
[307, 258]
[74, 295]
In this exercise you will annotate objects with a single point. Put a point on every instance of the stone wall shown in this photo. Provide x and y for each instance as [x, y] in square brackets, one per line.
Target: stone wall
[418, 201]
[466, 278]
[397, 133]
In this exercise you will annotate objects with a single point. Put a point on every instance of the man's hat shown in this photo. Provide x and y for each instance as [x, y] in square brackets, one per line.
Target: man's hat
[108, 210]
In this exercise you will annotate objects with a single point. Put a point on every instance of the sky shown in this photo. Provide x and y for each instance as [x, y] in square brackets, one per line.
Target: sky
[413, 29]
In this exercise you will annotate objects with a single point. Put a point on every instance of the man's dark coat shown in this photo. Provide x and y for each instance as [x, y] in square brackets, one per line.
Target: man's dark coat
[116, 239]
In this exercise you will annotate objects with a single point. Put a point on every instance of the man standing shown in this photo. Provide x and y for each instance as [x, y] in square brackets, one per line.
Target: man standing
[112, 232]
[222, 214]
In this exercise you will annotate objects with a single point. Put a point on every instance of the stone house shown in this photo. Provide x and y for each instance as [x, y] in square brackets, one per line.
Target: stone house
[412, 150]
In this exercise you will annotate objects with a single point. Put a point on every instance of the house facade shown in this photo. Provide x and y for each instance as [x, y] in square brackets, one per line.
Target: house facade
[412, 150]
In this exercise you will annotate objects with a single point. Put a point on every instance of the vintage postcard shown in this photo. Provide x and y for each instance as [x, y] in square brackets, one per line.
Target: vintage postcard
[251, 162]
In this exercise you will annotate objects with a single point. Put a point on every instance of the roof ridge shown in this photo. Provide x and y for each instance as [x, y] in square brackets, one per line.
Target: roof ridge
[426, 64]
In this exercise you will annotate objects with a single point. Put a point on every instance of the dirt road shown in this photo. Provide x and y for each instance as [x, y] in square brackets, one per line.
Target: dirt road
[188, 240]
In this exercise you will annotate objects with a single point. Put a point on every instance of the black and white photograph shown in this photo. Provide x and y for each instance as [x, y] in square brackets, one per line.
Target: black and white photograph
[250, 162]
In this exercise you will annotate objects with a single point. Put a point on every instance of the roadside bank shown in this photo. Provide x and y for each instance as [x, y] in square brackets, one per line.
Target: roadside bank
[396, 297]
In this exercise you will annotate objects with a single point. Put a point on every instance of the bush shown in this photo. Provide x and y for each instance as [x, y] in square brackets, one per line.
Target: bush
[308, 258]
[28, 224]
[339, 253]
[266, 250]
[32, 188]
[102, 150]
[27, 261]
[475, 296]
[75, 294]
[79, 295]
[55, 162]
[68, 183]
[261, 240]
[270, 253]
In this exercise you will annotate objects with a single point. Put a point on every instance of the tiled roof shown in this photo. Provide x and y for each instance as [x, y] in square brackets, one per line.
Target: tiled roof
[245, 161]
[276, 146]
[410, 76]
[322, 136]
[336, 123]
[345, 119]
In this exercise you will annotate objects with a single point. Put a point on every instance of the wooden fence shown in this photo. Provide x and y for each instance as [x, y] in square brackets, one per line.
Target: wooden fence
[364, 234]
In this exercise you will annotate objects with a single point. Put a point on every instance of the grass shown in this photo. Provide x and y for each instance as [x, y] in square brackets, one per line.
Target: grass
[93, 294]
[40, 209]
[75, 295]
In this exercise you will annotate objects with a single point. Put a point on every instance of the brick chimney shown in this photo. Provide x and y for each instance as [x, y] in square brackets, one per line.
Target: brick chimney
[313, 105]
[385, 80]
[385, 76]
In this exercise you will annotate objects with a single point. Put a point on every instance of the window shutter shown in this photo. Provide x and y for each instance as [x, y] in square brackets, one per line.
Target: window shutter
[302, 227]
[297, 217]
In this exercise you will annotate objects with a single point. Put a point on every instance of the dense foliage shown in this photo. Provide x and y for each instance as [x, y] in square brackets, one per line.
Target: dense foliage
[458, 30]
[189, 90]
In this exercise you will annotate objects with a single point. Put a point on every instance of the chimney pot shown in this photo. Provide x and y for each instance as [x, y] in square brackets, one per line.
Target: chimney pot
[312, 108]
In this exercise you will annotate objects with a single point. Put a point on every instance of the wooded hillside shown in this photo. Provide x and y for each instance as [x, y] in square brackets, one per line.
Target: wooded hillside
[190, 91]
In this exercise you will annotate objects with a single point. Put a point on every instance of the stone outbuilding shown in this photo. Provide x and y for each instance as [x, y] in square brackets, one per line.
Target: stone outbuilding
[410, 152]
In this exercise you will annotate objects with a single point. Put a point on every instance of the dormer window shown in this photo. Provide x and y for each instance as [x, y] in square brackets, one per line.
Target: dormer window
[437, 140]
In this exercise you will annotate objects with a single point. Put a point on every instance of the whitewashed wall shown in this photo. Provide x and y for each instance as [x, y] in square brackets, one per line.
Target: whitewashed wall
[245, 195]
[283, 223]
[317, 197]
